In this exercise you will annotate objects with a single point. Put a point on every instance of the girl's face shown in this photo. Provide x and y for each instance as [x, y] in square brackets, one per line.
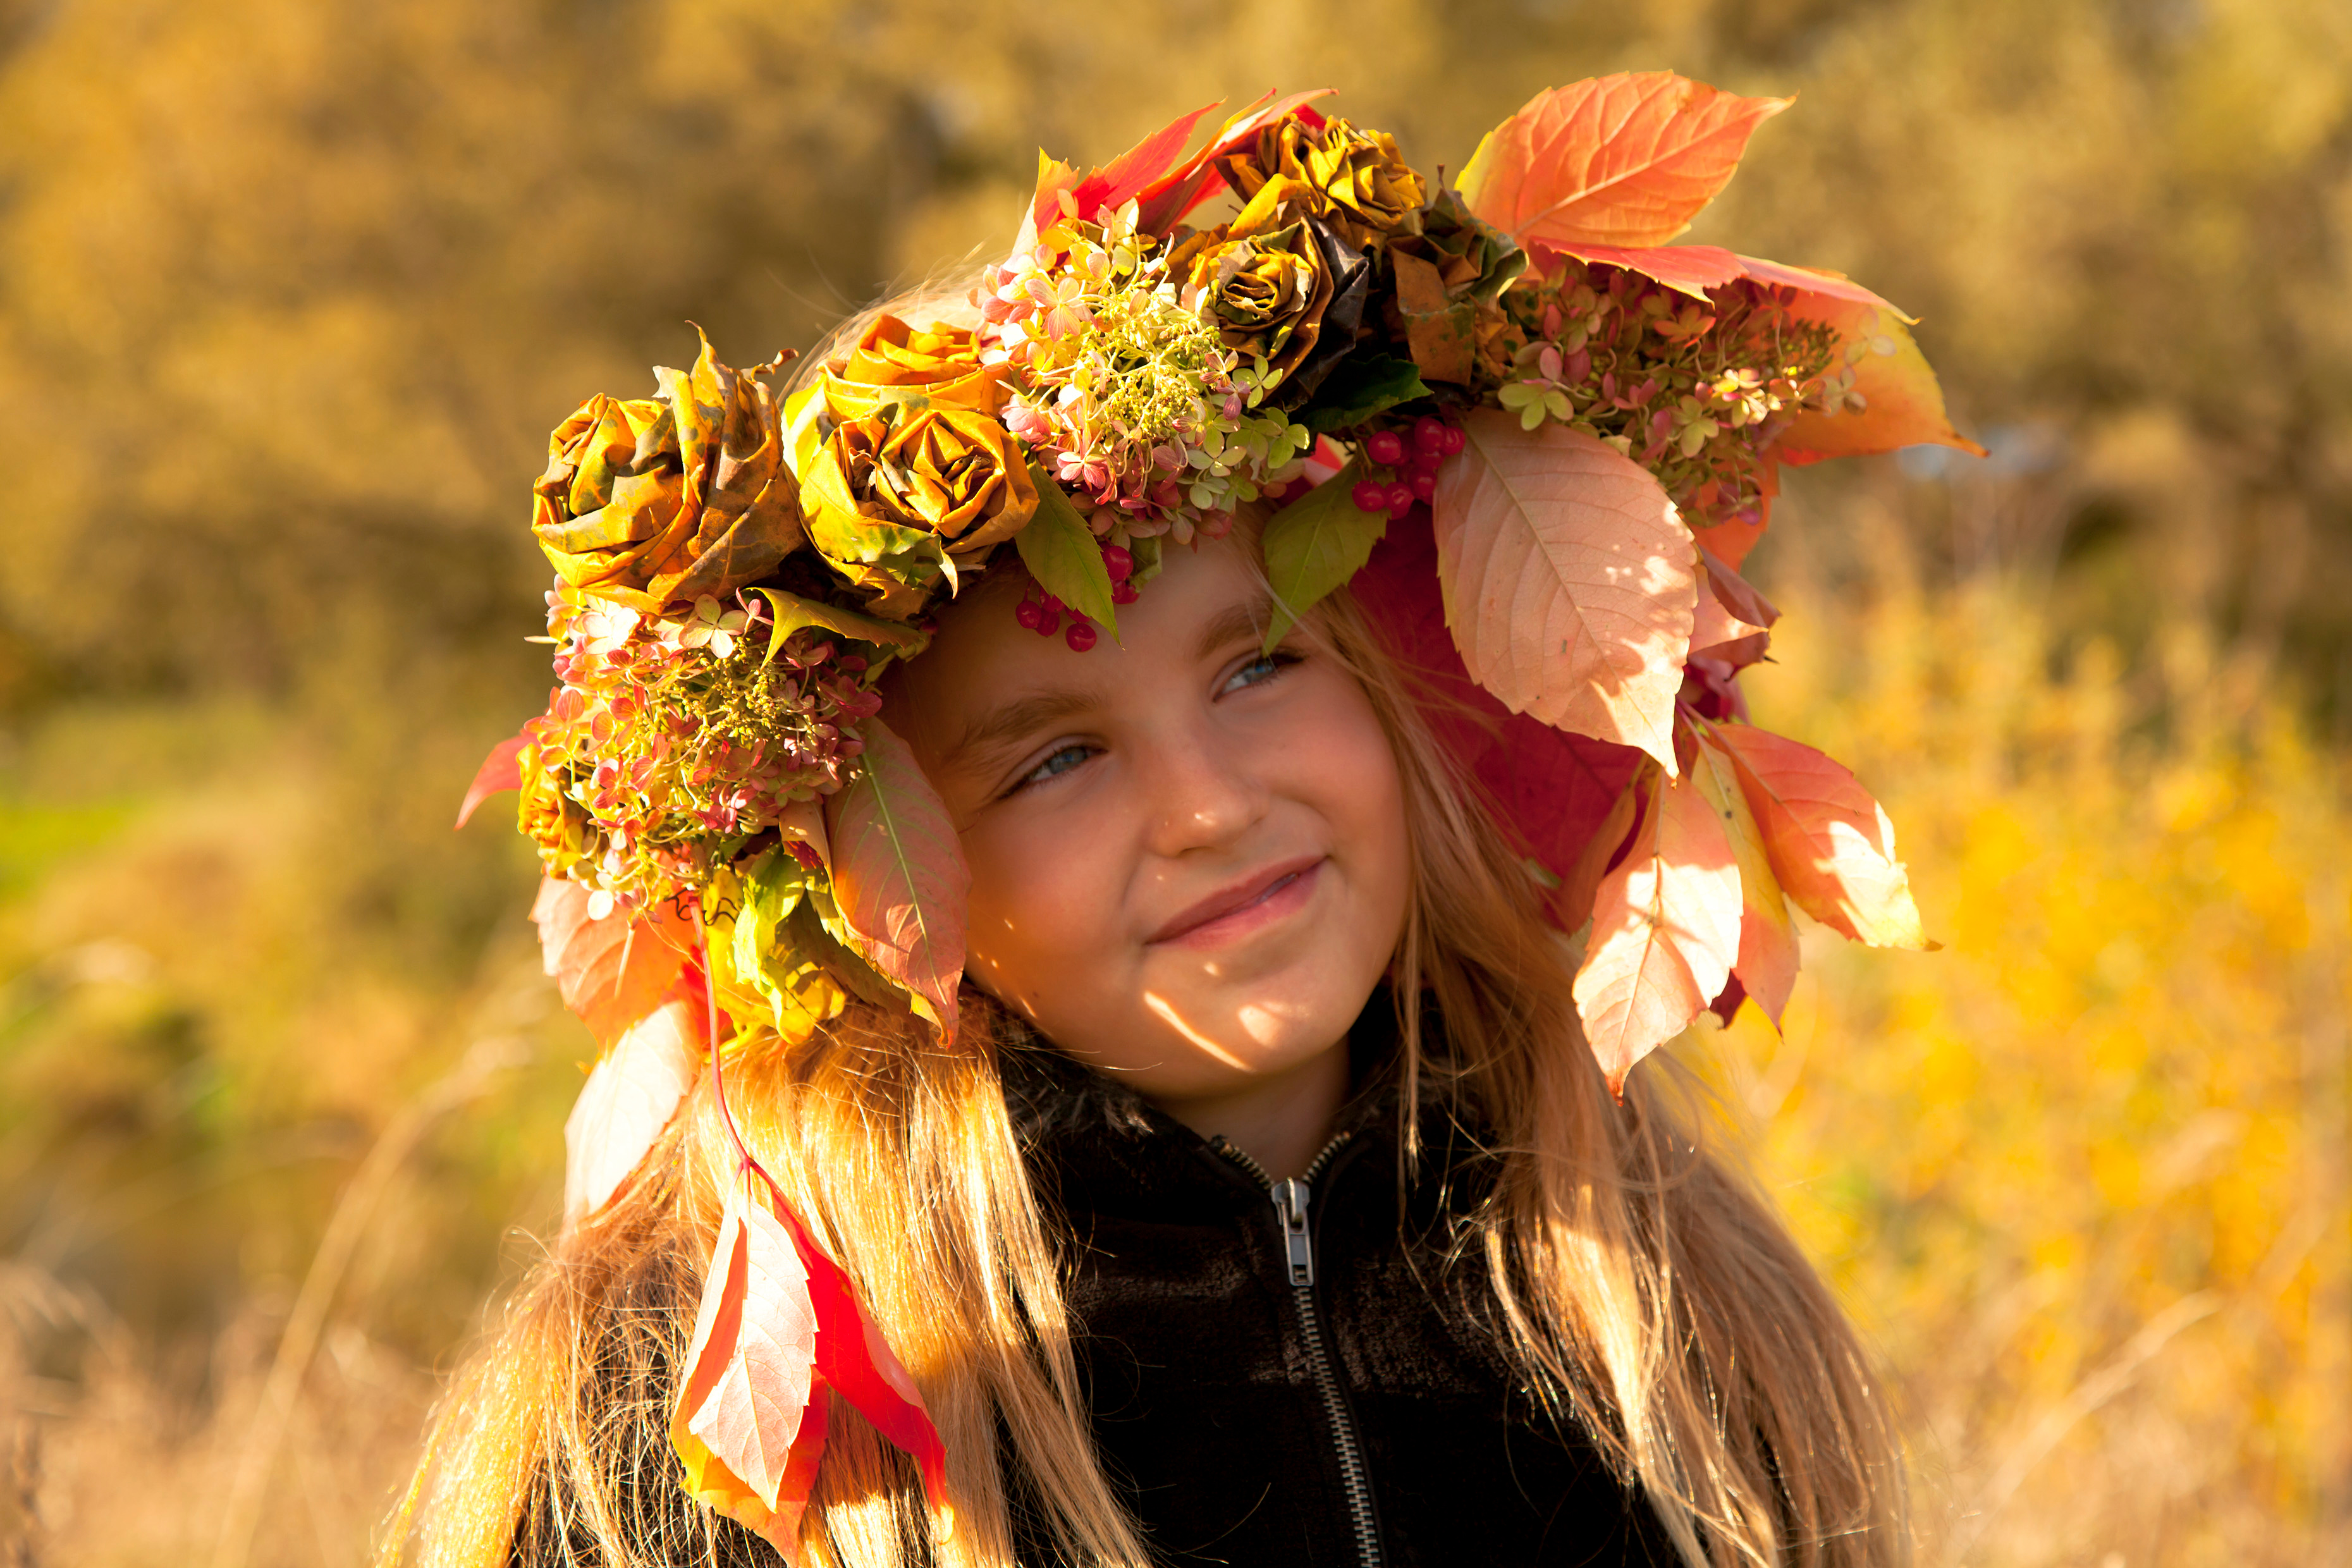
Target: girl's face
[1189, 859]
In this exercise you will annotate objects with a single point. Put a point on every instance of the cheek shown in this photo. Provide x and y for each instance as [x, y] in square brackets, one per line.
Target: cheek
[1342, 765]
[1039, 911]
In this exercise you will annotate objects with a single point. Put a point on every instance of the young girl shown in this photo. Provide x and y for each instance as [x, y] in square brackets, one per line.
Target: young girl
[1264, 1195]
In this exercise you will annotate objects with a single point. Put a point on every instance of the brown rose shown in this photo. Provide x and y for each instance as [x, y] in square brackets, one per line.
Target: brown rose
[651, 500]
[894, 361]
[1362, 187]
[1263, 280]
[889, 484]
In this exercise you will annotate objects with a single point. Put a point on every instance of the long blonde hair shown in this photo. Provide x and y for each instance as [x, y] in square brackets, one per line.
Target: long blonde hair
[1646, 1291]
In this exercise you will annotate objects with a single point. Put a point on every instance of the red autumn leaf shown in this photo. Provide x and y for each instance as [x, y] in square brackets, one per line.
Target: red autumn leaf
[1551, 791]
[1665, 931]
[612, 971]
[855, 1361]
[630, 1097]
[900, 876]
[1567, 580]
[1625, 160]
[1829, 842]
[1165, 202]
[1579, 885]
[750, 1421]
[1766, 968]
[501, 770]
[1716, 622]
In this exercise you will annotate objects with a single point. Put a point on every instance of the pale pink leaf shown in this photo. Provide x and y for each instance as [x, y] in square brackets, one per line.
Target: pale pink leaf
[1665, 931]
[1568, 579]
[629, 1099]
[752, 1379]
[900, 876]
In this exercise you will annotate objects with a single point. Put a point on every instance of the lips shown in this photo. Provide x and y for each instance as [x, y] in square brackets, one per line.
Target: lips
[1257, 890]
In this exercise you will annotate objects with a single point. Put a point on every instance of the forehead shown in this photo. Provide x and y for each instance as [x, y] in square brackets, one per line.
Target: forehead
[982, 657]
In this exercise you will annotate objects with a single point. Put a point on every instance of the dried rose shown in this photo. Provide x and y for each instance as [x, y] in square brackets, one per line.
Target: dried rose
[886, 487]
[1363, 187]
[651, 500]
[894, 361]
[1263, 280]
[1449, 279]
[549, 818]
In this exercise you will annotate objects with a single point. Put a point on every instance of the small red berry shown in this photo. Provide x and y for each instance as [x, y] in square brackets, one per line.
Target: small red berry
[1423, 486]
[1428, 434]
[1400, 500]
[1048, 625]
[1456, 439]
[1119, 562]
[1425, 462]
[1370, 495]
[1054, 607]
[1029, 612]
[1124, 593]
[1384, 448]
[1081, 636]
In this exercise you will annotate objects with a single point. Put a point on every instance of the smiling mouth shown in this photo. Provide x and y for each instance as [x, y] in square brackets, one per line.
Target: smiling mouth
[1221, 908]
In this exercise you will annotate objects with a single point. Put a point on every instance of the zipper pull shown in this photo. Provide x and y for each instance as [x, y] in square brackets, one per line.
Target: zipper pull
[1290, 1209]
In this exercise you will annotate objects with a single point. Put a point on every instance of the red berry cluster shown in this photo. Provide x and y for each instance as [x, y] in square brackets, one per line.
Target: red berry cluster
[1044, 613]
[1433, 441]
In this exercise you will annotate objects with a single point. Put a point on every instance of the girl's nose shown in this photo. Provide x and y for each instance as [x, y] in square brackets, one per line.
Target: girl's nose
[1204, 794]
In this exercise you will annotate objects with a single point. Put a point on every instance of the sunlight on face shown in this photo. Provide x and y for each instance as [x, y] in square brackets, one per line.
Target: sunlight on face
[1189, 861]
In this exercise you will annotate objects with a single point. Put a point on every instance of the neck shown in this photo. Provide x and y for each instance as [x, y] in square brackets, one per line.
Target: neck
[1281, 1122]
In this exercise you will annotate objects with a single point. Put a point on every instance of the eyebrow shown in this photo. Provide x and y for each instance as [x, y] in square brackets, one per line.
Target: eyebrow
[1000, 727]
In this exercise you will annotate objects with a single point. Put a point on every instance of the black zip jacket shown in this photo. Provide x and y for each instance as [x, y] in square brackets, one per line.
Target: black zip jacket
[1292, 1374]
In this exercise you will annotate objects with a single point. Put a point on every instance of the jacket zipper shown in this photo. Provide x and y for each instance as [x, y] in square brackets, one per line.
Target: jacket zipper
[1290, 1208]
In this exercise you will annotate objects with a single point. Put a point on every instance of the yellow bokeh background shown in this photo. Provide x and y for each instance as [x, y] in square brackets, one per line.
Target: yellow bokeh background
[291, 289]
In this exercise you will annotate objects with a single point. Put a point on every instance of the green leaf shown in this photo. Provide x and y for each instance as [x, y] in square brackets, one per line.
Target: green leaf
[816, 928]
[1359, 387]
[865, 542]
[793, 612]
[1147, 553]
[1062, 554]
[773, 884]
[1316, 544]
[805, 427]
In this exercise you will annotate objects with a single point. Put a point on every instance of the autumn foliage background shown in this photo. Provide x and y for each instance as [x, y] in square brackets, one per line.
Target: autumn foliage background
[291, 291]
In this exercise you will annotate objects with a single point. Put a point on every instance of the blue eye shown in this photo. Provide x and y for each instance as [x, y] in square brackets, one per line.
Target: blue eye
[1061, 761]
[1259, 670]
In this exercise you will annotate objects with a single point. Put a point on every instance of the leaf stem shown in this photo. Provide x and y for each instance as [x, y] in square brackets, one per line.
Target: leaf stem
[710, 1016]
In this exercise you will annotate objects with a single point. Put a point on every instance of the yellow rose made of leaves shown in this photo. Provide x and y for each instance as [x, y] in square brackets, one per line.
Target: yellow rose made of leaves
[894, 362]
[952, 473]
[1261, 280]
[1362, 186]
[560, 825]
[649, 501]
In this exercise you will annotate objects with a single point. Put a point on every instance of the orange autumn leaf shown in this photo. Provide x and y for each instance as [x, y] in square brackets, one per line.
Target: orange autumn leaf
[630, 1097]
[1830, 843]
[612, 971]
[1567, 580]
[898, 876]
[750, 1420]
[1665, 931]
[1624, 160]
[1903, 403]
[1768, 961]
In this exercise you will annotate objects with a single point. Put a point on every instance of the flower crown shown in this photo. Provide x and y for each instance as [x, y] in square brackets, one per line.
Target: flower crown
[1535, 439]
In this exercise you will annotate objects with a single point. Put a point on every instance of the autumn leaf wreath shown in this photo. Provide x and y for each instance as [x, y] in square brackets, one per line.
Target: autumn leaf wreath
[1535, 439]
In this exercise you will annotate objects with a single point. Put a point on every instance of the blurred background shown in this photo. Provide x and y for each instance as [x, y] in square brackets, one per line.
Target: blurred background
[291, 291]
